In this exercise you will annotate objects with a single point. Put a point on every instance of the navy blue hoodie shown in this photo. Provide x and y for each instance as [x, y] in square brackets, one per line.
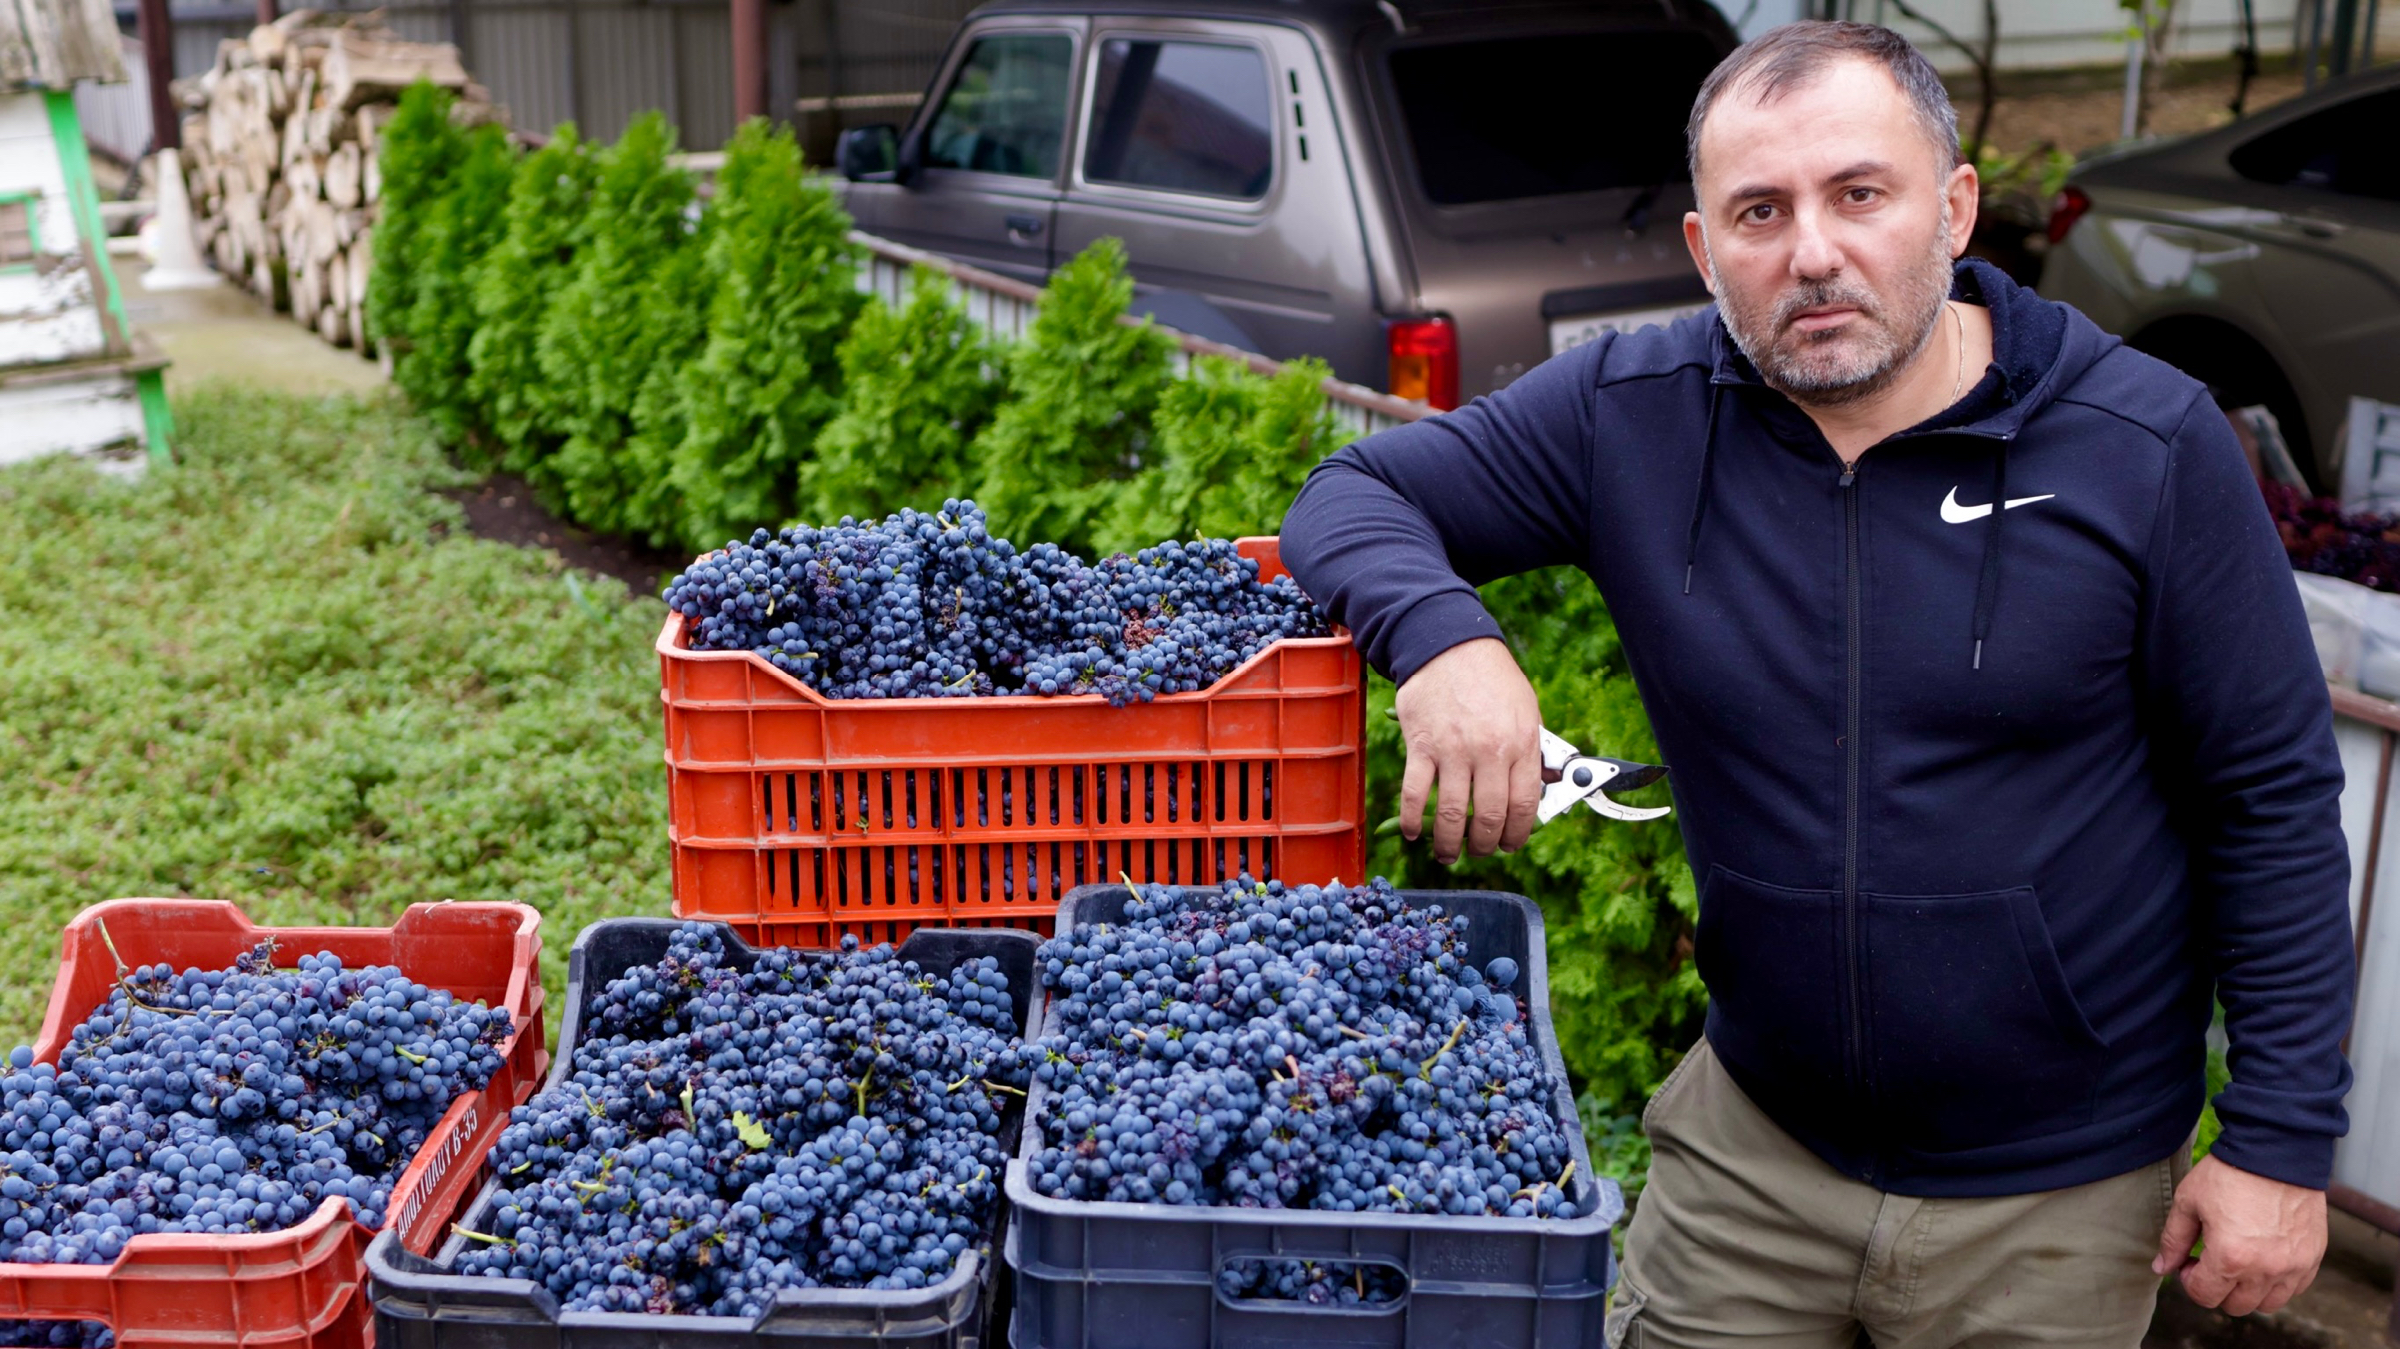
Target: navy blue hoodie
[1983, 804]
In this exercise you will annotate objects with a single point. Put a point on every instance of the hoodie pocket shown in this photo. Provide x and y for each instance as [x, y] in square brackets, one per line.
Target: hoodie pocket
[1975, 1037]
[1772, 959]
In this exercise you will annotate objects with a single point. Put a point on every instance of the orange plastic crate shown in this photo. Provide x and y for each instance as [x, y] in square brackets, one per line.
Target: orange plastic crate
[301, 1287]
[801, 819]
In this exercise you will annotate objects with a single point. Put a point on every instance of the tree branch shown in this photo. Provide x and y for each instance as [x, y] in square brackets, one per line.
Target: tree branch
[1980, 58]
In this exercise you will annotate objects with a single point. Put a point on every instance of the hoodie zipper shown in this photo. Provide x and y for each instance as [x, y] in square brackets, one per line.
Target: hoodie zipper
[1857, 659]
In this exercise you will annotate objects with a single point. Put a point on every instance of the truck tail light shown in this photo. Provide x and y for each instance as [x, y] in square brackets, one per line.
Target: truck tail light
[2071, 204]
[1424, 366]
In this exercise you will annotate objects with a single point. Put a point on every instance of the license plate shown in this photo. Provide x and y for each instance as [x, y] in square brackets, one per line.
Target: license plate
[1574, 332]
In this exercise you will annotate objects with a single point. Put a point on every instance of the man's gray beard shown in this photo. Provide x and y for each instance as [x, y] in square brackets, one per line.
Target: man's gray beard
[1889, 348]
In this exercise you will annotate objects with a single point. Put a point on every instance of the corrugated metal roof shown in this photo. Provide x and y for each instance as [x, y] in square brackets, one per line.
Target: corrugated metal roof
[50, 44]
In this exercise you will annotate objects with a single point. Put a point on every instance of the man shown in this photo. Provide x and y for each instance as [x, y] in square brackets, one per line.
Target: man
[1997, 735]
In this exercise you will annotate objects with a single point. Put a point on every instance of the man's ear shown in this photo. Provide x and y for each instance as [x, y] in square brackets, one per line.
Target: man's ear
[1698, 250]
[1965, 190]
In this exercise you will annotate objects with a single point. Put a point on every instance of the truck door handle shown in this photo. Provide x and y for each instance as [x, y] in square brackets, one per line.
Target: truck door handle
[1023, 226]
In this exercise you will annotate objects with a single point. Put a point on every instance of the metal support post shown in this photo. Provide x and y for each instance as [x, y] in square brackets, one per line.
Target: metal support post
[749, 59]
[156, 29]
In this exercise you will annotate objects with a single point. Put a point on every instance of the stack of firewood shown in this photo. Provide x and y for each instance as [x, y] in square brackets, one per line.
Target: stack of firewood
[279, 156]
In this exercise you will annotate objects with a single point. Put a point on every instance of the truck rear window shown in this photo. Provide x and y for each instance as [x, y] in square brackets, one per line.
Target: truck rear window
[1503, 119]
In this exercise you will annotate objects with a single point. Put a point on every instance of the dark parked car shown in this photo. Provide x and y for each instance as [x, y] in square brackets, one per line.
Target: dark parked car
[2263, 257]
[1434, 197]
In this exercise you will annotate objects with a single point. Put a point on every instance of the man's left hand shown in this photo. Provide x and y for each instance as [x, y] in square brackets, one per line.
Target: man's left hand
[2260, 1239]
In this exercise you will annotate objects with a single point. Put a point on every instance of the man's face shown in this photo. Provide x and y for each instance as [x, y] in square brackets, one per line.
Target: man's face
[1826, 227]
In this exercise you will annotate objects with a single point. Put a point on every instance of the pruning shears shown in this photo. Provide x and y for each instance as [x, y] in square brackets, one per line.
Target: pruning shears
[1569, 775]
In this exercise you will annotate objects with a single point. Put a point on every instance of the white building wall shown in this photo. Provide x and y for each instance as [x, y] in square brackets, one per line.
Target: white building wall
[2042, 34]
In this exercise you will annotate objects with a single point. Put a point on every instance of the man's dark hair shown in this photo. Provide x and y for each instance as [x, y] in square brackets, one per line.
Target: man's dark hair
[1782, 59]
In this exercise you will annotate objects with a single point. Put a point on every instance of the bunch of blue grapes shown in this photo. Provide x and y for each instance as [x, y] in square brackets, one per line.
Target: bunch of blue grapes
[933, 606]
[230, 1101]
[818, 1120]
[57, 1335]
[1319, 1283]
[1265, 1046]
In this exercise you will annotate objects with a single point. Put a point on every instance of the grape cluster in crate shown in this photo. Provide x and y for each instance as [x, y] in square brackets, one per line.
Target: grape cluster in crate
[228, 1101]
[933, 606]
[1272, 1047]
[818, 1120]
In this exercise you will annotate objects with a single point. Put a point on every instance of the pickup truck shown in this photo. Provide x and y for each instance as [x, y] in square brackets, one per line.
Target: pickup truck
[1433, 196]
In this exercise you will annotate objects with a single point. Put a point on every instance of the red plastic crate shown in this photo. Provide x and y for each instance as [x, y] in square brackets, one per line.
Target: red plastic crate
[301, 1287]
[801, 819]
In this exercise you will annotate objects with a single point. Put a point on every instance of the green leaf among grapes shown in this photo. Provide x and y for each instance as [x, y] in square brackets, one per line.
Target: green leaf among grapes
[750, 1130]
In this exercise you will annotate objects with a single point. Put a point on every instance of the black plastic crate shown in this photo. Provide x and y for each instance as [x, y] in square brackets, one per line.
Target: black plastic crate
[420, 1304]
[1100, 1275]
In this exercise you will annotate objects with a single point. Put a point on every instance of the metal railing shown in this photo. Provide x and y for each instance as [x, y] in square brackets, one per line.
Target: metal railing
[1005, 306]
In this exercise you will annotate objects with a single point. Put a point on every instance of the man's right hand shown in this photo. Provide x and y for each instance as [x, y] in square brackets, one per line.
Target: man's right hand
[1474, 732]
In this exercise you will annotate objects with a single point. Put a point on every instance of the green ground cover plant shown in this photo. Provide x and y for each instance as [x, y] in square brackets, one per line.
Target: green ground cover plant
[281, 673]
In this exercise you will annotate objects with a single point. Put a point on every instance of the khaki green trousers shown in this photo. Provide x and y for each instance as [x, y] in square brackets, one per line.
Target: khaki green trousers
[1744, 1237]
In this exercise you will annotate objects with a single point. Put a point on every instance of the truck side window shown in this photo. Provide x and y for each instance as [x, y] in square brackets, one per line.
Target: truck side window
[1007, 110]
[1183, 117]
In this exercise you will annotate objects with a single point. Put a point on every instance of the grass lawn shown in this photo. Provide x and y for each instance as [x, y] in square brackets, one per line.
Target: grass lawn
[282, 674]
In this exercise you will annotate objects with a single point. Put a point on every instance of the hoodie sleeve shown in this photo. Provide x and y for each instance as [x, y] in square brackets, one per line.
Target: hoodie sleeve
[1393, 533]
[2245, 725]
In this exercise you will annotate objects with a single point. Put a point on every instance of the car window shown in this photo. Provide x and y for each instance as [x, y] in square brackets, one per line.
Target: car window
[1007, 110]
[2348, 149]
[1182, 116]
[1504, 119]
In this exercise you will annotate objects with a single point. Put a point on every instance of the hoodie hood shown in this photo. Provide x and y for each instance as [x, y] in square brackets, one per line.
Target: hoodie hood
[2032, 357]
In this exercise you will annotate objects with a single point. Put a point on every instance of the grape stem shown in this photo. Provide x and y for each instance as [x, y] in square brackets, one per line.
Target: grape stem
[111, 943]
[1425, 1074]
[472, 1234]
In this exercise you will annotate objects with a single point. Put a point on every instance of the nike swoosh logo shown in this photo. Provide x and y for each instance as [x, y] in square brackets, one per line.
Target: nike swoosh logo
[1955, 514]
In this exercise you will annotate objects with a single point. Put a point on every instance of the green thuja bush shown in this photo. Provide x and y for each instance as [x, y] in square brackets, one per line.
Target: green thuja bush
[544, 230]
[416, 155]
[1233, 447]
[918, 384]
[461, 227]
[1076, 420]
[600, 340]
[783, 278]
[675, 305]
